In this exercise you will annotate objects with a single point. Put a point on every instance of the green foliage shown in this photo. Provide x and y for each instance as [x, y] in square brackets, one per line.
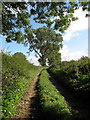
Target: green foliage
[45, 12]
[75, 75]
[53, 105]
[17, 74]
[46, 43]
[54, 58]
[16, 17]
[16, 25]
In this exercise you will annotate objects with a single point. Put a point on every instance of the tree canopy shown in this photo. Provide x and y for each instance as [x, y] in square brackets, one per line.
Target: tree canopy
[15, 20]
[15, 17]
[44, 41]
[58, 13]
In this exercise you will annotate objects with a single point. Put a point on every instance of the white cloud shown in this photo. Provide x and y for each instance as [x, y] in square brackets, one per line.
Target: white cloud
[67, 55]
[76, 34]
[34, 60]
[67, 36]
[55, 18]
[3, 50]
[76, 26]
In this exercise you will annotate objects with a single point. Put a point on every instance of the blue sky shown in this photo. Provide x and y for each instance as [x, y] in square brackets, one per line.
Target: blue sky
[75, 40]
[75, 43]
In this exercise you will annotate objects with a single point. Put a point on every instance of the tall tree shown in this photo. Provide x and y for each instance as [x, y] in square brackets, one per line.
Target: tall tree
[46, 43]
[54, 58]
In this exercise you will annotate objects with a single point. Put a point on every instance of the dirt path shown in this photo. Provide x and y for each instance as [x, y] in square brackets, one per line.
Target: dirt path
[28, 107]
[30, 110]
[79, 110]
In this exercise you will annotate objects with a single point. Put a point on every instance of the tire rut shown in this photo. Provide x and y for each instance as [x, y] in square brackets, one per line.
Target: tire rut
[28, 107]
[79, 110]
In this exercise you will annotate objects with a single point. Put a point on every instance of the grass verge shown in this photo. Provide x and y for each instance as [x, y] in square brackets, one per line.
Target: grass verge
[17, 74]
[53, 104]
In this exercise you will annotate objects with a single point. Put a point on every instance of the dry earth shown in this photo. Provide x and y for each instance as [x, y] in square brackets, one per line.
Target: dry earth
[27, 107]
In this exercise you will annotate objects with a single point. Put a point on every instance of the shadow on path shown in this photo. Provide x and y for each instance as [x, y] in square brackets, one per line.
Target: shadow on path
[29, 108]
[35, 108]
[79, 110]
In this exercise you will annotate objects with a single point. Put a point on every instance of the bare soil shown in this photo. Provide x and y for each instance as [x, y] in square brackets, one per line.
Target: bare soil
[28, 107]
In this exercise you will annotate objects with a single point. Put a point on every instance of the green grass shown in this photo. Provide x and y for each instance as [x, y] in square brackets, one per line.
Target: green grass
[53, 105]
[17, 74]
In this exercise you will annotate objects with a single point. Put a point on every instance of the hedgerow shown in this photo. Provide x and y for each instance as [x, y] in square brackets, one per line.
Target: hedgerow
[53, 105]
[74, 75]
[17, 74]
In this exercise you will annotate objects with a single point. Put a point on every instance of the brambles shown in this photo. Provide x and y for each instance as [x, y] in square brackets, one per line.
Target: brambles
[75, 75]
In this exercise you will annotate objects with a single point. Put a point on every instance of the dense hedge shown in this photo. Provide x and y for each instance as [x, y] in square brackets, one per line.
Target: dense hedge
[17, 73]
[53, 105]
[74, 75]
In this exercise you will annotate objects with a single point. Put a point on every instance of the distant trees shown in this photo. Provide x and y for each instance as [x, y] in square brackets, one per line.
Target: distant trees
[19, 55]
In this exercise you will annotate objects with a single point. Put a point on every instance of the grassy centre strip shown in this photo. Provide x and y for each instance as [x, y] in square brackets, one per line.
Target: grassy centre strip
[53, 104]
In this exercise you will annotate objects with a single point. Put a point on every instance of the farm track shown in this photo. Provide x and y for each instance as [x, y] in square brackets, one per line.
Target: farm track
[29, 106]
[79, 110]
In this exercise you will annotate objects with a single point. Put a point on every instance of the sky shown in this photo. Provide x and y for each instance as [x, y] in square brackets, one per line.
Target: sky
[75, 40]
